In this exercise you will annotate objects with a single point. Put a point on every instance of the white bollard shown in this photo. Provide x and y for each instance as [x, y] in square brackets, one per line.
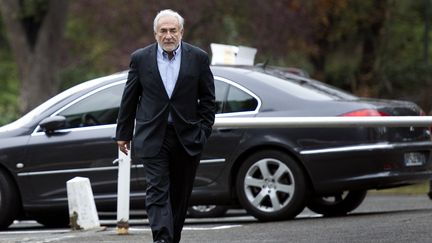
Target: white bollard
[82, 208]
[123, 192]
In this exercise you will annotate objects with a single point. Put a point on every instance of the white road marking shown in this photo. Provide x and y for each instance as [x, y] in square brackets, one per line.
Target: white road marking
[222, 227]
[146, 228]
[48, 240]
[41, 231]
[309, 215]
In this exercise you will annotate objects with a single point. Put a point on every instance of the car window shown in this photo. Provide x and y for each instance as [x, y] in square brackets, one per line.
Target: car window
[238, 101]
[100, 108]
[302, 88]
[230, 99]
[221, 89]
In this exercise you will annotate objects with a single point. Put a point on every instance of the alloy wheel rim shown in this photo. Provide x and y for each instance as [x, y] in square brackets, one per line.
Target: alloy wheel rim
[269, 185]
[204, 208]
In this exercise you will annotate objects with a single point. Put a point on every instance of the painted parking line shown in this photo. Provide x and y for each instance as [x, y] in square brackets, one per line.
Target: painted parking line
[47, 240]
[308, 215]
[20, 226]
[39, 231]
[222, 227]
[17, 231]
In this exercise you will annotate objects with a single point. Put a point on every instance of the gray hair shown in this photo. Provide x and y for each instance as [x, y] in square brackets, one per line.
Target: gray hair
[168, 12]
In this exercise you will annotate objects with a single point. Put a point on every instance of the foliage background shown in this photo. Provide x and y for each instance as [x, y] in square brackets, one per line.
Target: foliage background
[371, 48]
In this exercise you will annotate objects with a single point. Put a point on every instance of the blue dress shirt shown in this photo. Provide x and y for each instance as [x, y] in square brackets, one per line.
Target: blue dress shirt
[169, 70]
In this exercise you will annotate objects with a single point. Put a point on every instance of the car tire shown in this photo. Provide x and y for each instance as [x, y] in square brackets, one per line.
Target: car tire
[271, 186]
[53, 220]
[206, 211]
[338, 204]
[9, 201]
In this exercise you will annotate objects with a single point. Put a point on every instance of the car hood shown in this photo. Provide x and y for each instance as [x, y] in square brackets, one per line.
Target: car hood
[10, 130]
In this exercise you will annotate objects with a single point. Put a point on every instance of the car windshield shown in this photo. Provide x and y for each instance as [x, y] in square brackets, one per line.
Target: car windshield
[305, 88]
[63, 95]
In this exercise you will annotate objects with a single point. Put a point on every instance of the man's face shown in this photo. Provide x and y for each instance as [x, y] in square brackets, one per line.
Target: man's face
[168, 33]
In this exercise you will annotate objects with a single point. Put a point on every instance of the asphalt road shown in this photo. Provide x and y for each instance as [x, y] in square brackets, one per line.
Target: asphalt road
[378, 219]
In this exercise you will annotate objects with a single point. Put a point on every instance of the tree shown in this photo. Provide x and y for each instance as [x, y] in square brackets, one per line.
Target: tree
[371, 32]
[35, 31]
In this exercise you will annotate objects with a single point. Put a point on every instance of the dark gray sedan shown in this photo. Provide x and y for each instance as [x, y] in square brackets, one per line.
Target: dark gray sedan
[273, 173]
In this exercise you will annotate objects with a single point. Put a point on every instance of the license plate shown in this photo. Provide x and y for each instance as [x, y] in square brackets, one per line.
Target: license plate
[415, 159]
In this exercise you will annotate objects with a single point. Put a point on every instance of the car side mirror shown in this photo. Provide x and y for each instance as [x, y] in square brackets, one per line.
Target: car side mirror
[50, 124]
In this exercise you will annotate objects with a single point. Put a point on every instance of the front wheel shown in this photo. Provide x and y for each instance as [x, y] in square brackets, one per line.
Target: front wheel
[9, 201]
[271, 186]
[337, 204]
[206, 211]
[53, 219]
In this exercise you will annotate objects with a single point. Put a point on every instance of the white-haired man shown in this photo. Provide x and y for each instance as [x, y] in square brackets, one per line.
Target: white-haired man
[169, 97]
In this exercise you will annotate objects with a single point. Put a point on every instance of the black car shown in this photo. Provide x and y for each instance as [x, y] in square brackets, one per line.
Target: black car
[272, 172]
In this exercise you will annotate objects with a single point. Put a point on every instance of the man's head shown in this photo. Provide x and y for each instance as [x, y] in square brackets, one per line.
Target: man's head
[168, 29]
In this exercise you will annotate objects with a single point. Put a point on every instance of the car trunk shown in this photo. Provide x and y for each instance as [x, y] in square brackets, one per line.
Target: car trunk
[399, 108]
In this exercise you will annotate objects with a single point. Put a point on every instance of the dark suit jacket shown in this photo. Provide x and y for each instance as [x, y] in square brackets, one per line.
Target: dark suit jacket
[192, 103]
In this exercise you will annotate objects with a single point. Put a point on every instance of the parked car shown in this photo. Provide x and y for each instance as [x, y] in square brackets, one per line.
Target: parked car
[271, 172]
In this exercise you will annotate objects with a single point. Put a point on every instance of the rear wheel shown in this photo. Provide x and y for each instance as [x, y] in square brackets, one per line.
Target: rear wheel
[9, 201]
[271, 186]
[337, 204]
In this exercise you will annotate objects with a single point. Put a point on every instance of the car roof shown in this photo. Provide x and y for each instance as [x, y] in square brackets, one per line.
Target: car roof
[251, 77]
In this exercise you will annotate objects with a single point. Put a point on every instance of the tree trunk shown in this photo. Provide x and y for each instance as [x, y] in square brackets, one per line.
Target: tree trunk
[35, 37]
[322, 43]
[371, 36]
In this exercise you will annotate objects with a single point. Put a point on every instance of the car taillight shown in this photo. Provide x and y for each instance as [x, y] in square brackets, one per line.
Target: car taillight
[365, 112]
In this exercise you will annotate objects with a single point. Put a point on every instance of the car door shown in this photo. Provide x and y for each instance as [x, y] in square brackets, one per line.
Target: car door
[232, 100]
[85, 147]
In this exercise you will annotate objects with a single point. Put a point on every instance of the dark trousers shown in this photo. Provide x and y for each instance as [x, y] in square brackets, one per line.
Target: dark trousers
[169, 177]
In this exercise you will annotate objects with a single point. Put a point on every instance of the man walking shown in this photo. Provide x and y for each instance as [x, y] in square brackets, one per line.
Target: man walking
[169, 97]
